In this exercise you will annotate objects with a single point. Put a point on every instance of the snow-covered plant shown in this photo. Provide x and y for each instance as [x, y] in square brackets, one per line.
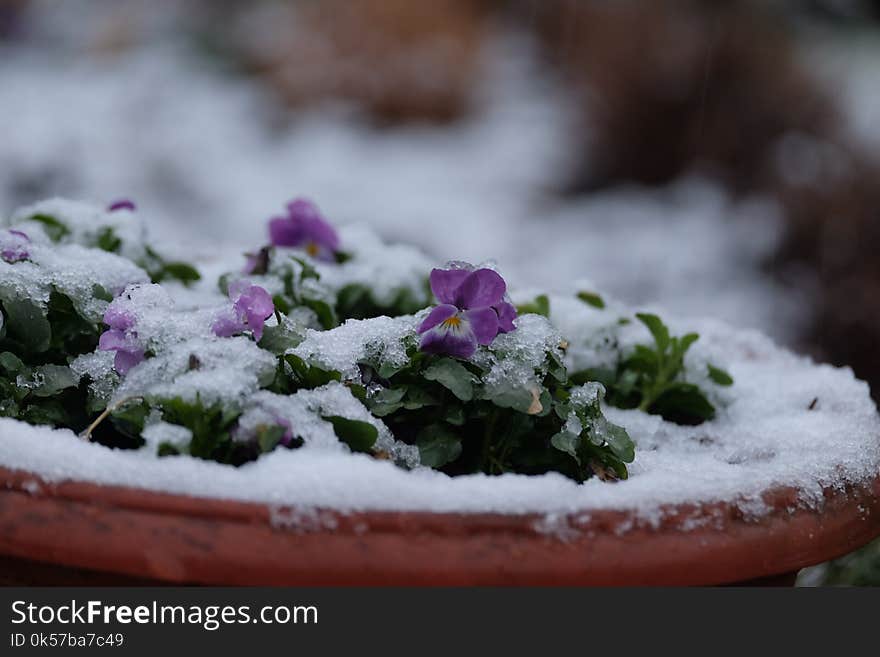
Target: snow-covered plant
[652, 378]
[115, 229]
[325, 340]
[306, 264]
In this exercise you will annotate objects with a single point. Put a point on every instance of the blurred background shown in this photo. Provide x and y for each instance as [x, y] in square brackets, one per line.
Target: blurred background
[716, 158]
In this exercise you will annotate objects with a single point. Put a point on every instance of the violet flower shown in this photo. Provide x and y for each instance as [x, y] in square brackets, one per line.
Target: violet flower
[305, 227]
[122, 204]
[14, 245]
[121, 338]
[251, 307]
[473, 311]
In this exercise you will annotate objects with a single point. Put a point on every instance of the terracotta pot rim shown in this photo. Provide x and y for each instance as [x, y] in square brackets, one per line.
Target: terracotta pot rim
[690, 543]
[784, 500]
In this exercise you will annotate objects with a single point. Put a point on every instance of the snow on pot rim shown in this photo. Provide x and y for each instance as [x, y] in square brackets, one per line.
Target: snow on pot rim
[789, 424]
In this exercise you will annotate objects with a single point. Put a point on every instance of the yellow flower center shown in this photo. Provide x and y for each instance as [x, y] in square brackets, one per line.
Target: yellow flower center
[452, 322]
[312, 249]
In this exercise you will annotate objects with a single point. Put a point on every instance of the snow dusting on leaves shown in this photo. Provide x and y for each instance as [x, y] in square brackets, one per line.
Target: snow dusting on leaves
[308, 364]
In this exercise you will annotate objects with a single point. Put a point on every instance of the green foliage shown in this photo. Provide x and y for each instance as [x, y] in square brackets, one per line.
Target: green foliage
[356, 301]
[108, 241]
[211, 428]
[719, 376]
[45, 394]
[50, 334]
[159, 269]
[54, 229]
[540, 305]
[461, 425]
[860, 568]
[360, 436]
[651, 377]
[302, 288]
[591, 299]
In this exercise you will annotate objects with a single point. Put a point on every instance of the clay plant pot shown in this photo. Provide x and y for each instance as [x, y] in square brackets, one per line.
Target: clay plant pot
[165, 538]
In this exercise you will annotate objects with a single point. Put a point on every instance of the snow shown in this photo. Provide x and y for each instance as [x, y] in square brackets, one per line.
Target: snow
[74, 271]
[385, 268]
[212, 369]
[384, 339]
[766, 437]
[84, 222]
[199, 154]
[520, 355]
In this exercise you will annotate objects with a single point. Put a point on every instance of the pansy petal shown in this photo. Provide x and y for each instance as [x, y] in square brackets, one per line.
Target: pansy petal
[284, 232]
[460, 344]
[114, 340]
[255, 301]
[254, 306]
[479, 289]
[227, 324]
[483, 322]
[126, 359]
[318, 231]
[437, 315]
[506, 314]
[122, 204]
[300, 208]
[445, 283]
[118, 318]
[238, 287]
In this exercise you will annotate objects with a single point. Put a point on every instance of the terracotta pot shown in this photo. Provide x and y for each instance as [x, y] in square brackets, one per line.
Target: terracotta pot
[174, 538]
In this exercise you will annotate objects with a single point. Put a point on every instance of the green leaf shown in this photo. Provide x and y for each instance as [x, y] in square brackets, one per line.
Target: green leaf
[516, 397]
[52, 379]
[279, 338]
[326, 314]
[619, 441]
[268, 437]
[453, 376]
[26, 322]
[438, 445]
[566, 441]
[683, 403]
[108, 241]
[417, 398]
[455, 415]
[55, 230]
[386, 401]
[167, 449]
[686, 342]
[10, 363]
[657, 328]
[719, 376]
[100, 292]
[310, 376]
[359, 436]
[180, 271]
[591, 299]
[539, 306]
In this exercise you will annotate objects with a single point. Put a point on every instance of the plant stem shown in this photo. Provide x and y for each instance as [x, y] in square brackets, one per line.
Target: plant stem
[487, 439]
[87, 433]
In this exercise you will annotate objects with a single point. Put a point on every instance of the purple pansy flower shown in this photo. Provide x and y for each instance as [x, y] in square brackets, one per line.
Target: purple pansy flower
[14, 245]
[472, 311]
[251, 307]
[304, 227]
[121, 338]
[122, 204]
